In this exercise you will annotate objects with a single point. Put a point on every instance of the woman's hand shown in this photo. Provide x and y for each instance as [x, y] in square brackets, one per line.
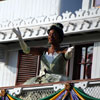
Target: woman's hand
[17, 32]
[69, 52]
[70, 49]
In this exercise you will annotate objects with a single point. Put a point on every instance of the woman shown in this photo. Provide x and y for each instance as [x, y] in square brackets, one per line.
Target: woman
[53, 59]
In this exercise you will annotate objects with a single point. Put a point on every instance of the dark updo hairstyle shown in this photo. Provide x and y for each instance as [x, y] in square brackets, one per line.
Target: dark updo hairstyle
[59, 28]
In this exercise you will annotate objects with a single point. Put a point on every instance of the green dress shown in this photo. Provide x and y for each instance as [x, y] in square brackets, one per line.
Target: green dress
[51, 72]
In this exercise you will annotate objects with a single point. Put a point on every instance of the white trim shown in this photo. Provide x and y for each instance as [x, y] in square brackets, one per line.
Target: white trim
[33, 28]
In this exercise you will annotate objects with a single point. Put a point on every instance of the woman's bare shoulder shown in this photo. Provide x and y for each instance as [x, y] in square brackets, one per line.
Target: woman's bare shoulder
[38, 50]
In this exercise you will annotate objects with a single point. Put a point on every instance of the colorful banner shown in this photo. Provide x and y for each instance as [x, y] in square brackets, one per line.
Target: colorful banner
[64, 94]
[8, 97]
[73, 94]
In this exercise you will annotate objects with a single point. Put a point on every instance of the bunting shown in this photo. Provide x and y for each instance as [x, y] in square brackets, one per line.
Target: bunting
[6, 96]
[70, 93]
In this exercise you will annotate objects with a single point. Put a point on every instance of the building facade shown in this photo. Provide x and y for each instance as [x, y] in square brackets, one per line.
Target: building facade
[34, 17]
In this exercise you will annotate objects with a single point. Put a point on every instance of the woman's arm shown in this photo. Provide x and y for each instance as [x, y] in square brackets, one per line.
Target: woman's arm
[26, 49]
[23, 45]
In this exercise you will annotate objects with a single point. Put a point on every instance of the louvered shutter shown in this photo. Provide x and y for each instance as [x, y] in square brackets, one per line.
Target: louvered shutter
[28, 66]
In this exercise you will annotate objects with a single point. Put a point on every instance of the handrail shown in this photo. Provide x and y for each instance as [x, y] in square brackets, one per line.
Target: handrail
[50, 84]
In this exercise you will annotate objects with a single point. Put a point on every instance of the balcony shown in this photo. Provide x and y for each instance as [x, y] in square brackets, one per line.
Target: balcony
[39, 91]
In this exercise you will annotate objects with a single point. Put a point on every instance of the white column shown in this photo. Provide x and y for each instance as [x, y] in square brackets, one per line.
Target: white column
[96, 61]
[86, 4]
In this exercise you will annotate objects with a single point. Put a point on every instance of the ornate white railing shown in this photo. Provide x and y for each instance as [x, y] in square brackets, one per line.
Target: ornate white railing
[90, 87]
[81, 21]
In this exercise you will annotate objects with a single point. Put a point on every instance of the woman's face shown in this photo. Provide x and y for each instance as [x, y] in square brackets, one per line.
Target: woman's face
[53, 37]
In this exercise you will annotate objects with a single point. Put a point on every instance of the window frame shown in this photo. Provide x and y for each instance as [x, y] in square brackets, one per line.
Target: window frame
[36, 66]
[94, 4]
[77, 60]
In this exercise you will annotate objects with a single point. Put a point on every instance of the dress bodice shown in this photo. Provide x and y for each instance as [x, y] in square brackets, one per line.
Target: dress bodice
[50, 57]
[52, 69]
[57, 65]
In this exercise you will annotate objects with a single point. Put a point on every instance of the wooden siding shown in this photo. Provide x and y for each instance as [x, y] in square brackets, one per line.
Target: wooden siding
[14, 9]
[96, 61]
[8, 69]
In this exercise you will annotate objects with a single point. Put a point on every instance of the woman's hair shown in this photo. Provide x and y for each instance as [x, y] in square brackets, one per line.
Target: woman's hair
[59, 28]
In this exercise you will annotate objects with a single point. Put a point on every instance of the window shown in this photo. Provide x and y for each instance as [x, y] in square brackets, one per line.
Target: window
[96, 3]
[28, 67]
[83, 61]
